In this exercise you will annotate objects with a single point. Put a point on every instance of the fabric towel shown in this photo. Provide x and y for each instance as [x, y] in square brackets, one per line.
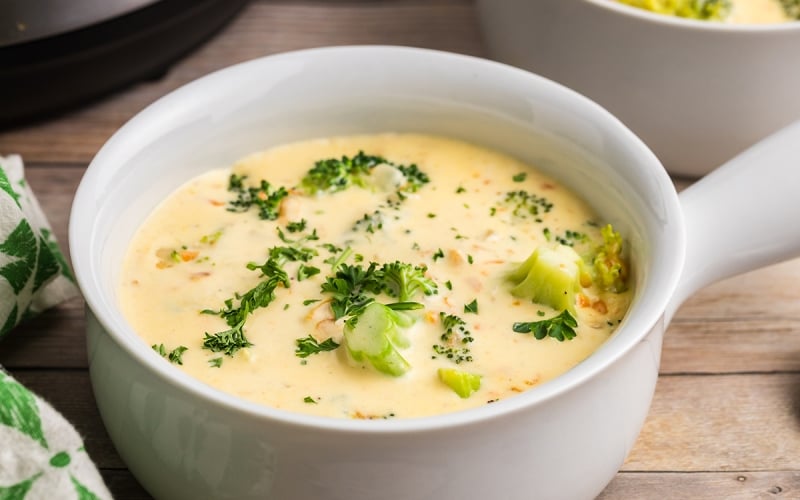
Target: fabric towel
[41, 454]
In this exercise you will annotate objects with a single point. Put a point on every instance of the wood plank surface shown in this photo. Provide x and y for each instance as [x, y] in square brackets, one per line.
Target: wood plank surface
[264, 28]
[725, 417]
[705, 485]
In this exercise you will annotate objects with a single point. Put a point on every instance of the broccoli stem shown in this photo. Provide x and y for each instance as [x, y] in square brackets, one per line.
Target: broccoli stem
[373, 337]
[462, 383]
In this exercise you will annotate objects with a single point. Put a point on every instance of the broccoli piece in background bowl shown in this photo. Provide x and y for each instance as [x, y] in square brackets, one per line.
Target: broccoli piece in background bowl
[705, 10]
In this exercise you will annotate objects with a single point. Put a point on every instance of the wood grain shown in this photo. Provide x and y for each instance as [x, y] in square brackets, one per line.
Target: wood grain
[705, 486]
[264, 28]
[721, 423]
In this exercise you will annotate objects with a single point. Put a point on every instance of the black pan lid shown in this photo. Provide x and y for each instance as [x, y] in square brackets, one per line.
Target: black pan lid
[54, 73]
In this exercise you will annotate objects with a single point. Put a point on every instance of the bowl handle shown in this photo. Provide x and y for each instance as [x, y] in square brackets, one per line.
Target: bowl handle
[742, 216]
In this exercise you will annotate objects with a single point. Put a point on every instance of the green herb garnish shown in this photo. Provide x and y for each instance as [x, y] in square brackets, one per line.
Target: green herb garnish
[176, 355]
[296, 227]
[561, 327]
[264, 197]
[454, 339]
[309, 345]
[304, 272]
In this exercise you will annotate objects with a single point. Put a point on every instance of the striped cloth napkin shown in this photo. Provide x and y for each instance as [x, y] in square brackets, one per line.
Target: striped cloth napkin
[41, 454]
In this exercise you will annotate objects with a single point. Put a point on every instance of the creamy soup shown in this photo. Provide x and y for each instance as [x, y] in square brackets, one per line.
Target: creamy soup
[377, 276]
[728, 11]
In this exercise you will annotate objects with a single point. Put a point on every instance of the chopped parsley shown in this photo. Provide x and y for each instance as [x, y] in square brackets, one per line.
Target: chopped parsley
[309, 237]
[349, 286]
[524, 204]
[263, 294]
[174, 356]
[331, 248]
[415, 178]
[472, 307]
[569, 238]
[264, 197]
[354, 287]
[560, 327]
[227, 342]
[520, 177]
[336, 261]
[304, 272]
[454, 338]
[296, 227]
[309, 345]
[370, 222]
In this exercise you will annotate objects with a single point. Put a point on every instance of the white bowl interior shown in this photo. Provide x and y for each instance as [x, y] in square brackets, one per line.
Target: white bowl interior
[322, 92]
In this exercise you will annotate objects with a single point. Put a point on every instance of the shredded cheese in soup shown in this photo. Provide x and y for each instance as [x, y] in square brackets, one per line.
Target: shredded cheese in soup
[376, 276]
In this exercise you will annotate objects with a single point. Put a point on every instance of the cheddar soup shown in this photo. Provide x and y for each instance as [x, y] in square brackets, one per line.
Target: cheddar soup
[726, 11]
[376, 276]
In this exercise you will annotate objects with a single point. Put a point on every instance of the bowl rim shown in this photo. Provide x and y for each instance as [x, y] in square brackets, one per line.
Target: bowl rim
[693, 24]
[85, 267]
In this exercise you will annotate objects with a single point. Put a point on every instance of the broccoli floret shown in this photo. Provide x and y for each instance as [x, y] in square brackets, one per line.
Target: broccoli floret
[707, 10]
[373, 338]
[552, 275]
[415, 178]
[264, 197]
[337, 174]
[404, 281]
[792, 8]
[462, 383]
[454, 339]
[350, 286]
[610, 265]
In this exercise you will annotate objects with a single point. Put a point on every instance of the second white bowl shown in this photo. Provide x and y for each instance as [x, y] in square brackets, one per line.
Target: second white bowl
[696, 92]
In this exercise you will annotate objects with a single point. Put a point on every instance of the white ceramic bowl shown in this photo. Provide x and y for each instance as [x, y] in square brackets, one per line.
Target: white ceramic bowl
[564, 439]
[696, 92]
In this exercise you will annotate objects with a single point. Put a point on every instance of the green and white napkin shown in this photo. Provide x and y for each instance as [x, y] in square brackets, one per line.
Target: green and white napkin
[41, 454]
[34, 272]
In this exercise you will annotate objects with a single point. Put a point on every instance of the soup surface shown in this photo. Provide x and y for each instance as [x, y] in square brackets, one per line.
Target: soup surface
[377, 276]
[727, 11]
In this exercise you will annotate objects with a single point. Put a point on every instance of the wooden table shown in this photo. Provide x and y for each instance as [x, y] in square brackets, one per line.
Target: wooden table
[725, 421]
